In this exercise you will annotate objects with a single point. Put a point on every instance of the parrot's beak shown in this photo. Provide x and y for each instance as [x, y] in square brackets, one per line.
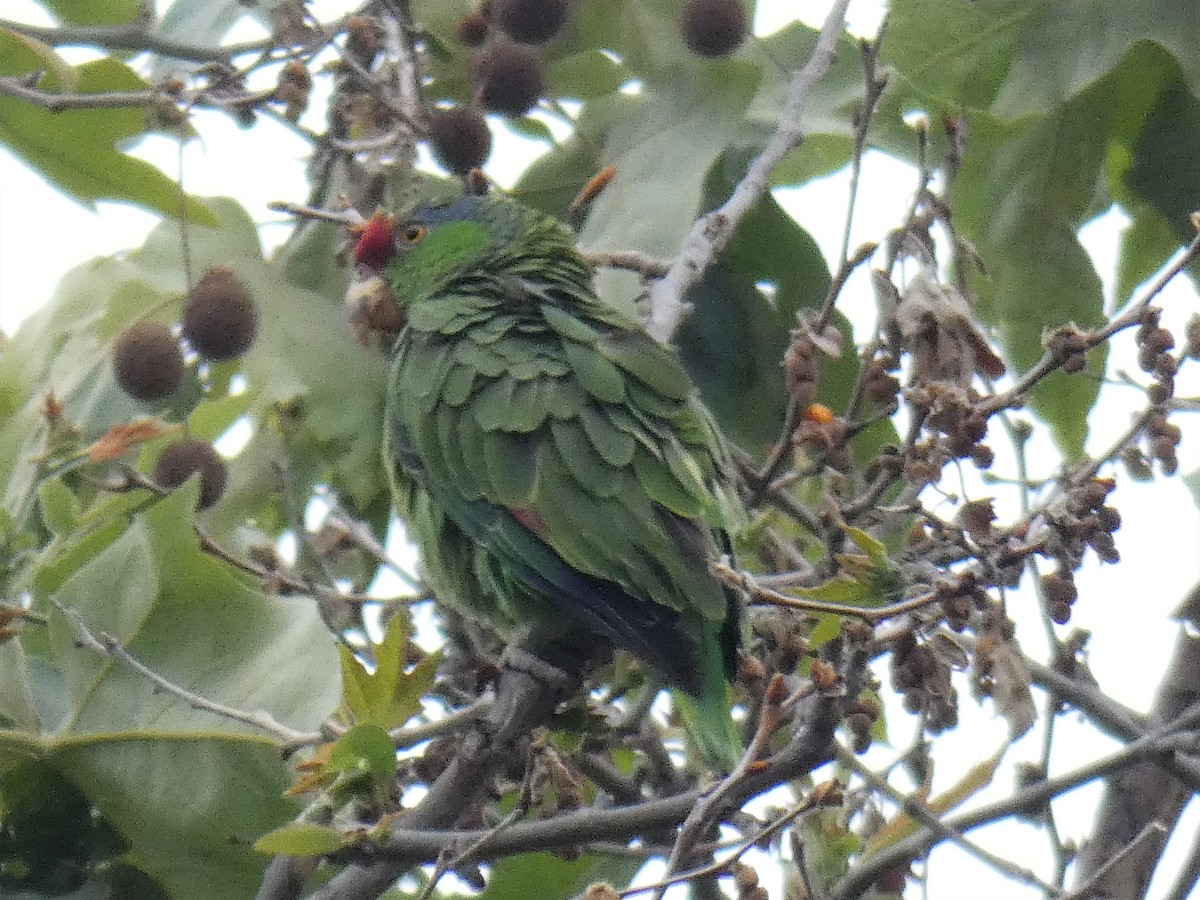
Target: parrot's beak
[372, 306]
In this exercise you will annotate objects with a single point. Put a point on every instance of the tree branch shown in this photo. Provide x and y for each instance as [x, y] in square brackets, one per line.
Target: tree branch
[712, 232]
[134, 36]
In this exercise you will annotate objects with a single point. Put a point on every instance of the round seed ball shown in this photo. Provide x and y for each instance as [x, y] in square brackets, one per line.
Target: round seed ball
[220, 320]
[147, 361]
[183, 459]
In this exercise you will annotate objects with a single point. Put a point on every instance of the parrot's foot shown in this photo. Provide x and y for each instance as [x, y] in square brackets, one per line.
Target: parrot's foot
[548, 674]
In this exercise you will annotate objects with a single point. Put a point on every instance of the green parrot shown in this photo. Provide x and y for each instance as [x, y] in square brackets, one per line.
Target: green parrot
[551, 460]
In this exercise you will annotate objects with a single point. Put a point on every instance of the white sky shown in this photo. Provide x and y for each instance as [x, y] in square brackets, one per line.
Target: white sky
[43, 234]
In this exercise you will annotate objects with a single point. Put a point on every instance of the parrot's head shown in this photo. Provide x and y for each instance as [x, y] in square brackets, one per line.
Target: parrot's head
[424, 252]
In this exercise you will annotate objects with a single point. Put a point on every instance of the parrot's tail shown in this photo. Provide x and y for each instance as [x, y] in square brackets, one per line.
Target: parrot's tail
[708, 720]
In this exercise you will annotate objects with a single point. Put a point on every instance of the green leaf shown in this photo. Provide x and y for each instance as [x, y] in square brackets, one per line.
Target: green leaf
[304, 357]
[1162, 173]
[1021, 57]
[58, 506]
[839, 589]
[957, 52]
[302, 839]
[1146, 243]
[93, 12]
[17, 703]
[356, 682]
[734, 340]
[828, 627]
[585, 75]
[75, 149]
[1066, 47]
[875, 550]
[1021, 196]
[555, 178]
[187, 789]
[389, 696]
[364, 748]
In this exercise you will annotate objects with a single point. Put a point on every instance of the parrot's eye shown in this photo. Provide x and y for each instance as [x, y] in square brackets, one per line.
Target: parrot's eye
[412, 234]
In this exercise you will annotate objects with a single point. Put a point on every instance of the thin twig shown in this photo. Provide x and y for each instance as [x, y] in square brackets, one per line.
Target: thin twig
[107, 645]
[1131, 316]
[19, 88]
[414, 734]
[349, 217]
[724, 864]
[746, 582]
[645, 265]
[135, 37]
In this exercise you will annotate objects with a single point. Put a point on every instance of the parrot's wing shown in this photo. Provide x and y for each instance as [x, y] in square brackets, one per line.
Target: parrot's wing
[577, 455]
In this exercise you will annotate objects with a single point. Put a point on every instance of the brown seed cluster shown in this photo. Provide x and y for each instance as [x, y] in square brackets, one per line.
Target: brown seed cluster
[1162, 439]
[364, 38]
[1191, 346]
[824, 437]
[1069, 344]
[880, 384]
[924, 681]
[954, 413]
[860, 716]
[1155, 344]
[1082, 520]
[294, 89]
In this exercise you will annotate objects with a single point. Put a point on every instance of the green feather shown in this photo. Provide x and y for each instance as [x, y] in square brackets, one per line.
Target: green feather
[596, 375]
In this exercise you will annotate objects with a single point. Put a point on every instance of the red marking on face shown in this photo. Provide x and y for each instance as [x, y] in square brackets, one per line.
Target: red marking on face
[530, 520]
[375, 248]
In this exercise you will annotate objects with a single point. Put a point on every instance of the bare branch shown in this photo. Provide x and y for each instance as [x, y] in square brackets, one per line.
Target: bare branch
[645, 265]
[19, 88]
[135, 37]
[1131, 316]
[746, 582]
[1154, 832]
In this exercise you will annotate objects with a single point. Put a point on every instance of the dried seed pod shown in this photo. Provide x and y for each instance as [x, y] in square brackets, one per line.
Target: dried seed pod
[529, 21]
[147, 362]
[472, 29]
[187, 457]
[508, 78]
[713, 27]
[459, 138]
[220, 320]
